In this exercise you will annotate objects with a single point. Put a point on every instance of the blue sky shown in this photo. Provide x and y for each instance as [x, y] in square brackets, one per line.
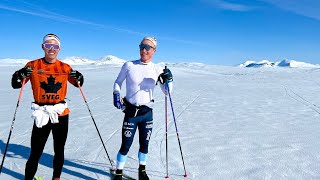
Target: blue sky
[223, 32]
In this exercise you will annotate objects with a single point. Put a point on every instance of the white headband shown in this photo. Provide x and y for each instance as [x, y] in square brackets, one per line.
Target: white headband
[152, 39]
[51, 37]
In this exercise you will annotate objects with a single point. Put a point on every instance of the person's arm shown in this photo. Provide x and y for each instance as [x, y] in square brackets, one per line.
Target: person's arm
[117, 100]
[18, 76]
[121, 77]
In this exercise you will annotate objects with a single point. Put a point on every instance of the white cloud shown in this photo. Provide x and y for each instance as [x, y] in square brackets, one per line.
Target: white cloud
[228, 5]
[58, 17]
[34, 10]
[308, 8]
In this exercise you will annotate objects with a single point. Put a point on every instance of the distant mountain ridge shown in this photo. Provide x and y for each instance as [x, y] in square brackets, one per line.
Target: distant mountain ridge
[72, 60]
[283, 63]
[106, 60]
[113, 60]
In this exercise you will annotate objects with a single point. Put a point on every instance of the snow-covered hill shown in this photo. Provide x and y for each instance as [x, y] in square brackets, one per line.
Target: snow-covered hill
[105, 60]
[110, 60]
[263, 63]
[10, 61]
[283, 63]
[113, 60]
[295, 64]
[72, 60]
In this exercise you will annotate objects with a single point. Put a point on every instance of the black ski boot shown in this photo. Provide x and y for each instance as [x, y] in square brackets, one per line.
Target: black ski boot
[142, 173]
[118, 175]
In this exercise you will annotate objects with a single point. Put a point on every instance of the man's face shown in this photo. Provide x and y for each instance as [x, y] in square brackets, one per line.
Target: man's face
[51, 49]
[146, 55]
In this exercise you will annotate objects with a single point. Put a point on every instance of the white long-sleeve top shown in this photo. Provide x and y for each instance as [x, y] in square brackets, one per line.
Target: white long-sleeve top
[141, 78]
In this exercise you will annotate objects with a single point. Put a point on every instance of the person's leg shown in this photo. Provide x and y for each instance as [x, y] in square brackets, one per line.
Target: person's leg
[39, 138]
[145, 130]
[129, 128]
[59, 133]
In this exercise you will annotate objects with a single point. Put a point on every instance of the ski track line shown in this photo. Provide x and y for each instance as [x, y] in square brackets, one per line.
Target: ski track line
[96, 174]
[305, 99]
[112, 134]
[304, 102]
[101, 146]
[301, 100]
[156, 133]
[170, 123]
[99, 152]
[97, 115]
[90, 101]
[93, 163]
[89, 116]
[109, 117]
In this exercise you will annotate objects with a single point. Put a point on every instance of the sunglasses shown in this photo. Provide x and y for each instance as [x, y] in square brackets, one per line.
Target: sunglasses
[145, 46]
[49, 46]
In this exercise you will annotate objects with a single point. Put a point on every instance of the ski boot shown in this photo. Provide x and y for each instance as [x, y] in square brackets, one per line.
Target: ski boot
[118, 175]
[142, 173]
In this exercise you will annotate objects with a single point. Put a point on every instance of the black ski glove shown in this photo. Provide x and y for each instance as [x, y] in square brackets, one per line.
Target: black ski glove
[75, 75]
[24, 72]
[166, 76]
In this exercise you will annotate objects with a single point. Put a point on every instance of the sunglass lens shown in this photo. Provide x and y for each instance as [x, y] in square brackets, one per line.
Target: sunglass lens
[145, 46]
[49, 46]
[55, 46]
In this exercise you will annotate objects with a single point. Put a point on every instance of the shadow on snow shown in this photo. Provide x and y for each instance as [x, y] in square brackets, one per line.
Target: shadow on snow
[19, 151]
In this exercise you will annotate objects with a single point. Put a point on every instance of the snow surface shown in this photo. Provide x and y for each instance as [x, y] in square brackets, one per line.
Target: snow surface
[233, 123]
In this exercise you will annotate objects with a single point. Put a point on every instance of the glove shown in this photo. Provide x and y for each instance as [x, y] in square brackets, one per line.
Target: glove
[166, 76]
[24, 72]
[75, 75]
[117, 100]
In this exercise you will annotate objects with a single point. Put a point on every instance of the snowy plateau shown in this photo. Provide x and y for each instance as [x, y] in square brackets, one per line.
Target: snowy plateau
[233, 123]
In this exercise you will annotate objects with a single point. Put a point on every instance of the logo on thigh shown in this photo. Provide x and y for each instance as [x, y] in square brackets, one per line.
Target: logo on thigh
[127, 124]
[127, 133]
[149, 125]
[148, 135]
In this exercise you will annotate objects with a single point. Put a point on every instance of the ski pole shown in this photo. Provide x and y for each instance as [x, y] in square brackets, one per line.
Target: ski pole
[14, 118]
[166, 114]
[105, 149]
[175, 123]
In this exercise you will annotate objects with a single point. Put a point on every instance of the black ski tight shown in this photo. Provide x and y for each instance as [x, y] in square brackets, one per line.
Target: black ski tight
[38, 141]
[141, 121]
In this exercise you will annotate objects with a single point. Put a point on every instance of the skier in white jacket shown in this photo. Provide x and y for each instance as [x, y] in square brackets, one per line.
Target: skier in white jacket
[141, 78]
